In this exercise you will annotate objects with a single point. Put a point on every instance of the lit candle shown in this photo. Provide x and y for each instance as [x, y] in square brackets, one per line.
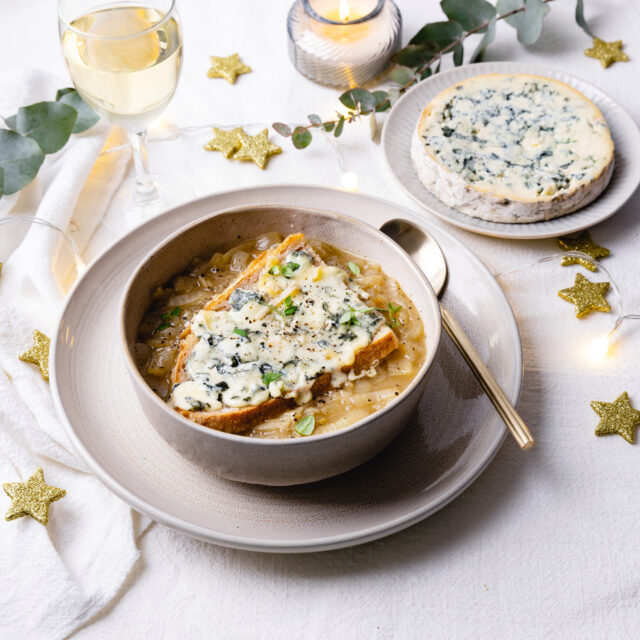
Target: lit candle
[343, 43]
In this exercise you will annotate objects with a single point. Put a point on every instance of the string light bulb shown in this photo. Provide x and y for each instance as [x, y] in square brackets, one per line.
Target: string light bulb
[349, 181]
[598, 349]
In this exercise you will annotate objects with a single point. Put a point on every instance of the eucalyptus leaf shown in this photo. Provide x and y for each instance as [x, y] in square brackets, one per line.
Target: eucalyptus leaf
[469, 13]
[382, 100]
[301, 137]
[315, 119]
[48, 123]
[1, 182]
[401, 75]
[10, 122]
[442, 33]
[458, 55]
[20, 159]
[580, 19]
[63, 92]
[87, 117]
[528, 23]
[414, 55]
[339, 127]
[282, 129]
[354, 97]
[426, 73]
[487, 39]
[329, 126]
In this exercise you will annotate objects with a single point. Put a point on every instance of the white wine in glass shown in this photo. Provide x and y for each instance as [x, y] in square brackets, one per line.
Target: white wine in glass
[124, 60]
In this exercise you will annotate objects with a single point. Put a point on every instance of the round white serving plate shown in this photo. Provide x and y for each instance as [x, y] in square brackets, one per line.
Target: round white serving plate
[449, 442]
[403, 119]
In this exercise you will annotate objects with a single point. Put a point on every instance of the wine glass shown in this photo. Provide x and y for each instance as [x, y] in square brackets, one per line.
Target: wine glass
[124, 59]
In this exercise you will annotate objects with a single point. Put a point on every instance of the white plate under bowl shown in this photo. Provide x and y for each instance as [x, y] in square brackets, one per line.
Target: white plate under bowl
[403, 120]
[447, 444]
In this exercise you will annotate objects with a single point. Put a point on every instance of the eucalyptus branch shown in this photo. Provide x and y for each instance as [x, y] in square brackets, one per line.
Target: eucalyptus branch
[425, 50]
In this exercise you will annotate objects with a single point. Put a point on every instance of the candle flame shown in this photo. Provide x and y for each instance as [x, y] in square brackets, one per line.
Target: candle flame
[344, 11]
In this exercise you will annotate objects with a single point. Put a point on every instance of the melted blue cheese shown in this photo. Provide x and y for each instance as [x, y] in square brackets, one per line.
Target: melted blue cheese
[518, 136]
[300, 322]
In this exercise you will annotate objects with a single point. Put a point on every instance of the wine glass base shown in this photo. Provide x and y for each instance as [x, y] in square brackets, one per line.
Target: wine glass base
[171, 192]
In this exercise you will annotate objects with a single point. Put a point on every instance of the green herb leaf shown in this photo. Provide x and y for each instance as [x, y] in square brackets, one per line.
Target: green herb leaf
[20, 159]
[175, 311]
[161, 326]
[240, 332]
[301, 137]
[339, 127]
[528, 23]
[469, 13]
[315, 119]
[282, 129]
[354, 268]
[270, 376]
[289, 307]
[289, 268]
[306, 425]
[348, 317]
[48, 123]
[275, 270]
[87, 117]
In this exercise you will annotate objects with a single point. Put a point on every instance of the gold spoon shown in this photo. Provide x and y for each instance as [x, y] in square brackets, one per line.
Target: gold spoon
[429, 257]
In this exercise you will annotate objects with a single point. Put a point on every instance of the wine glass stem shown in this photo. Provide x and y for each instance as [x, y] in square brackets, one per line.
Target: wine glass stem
[146, 191]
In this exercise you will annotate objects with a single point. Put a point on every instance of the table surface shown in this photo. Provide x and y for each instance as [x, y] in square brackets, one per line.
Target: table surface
[543, 544]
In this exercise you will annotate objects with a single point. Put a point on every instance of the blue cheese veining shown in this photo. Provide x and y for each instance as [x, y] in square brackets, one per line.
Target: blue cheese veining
[513, 148]
[299, 321]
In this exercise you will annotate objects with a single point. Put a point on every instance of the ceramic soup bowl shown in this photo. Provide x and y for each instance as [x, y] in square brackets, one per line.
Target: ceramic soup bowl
[285, 461]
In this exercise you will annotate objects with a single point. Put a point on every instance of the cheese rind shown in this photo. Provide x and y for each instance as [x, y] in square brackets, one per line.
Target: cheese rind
[513, 148]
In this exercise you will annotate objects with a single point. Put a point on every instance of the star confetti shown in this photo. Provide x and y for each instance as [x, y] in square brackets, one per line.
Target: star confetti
[31, 498]
[585, 244]
[607, 52]
[224, 141]
[228, 68]
[38, 354]
[256, 148]
[617, 417]
[586, 295]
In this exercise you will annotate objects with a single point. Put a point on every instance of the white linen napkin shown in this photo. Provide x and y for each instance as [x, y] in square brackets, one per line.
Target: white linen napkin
[88, 549]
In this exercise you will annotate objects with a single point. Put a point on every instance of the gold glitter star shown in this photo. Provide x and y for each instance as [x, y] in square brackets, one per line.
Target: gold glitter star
[617, 417]
[256, 148]
[228, 68]
[224, 141]
[38, 354]
[607, 52]
[585, 244]
[31, 498]
[586, 295]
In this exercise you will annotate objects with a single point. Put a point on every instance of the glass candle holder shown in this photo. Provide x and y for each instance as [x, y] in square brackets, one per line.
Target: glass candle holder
[343, 43]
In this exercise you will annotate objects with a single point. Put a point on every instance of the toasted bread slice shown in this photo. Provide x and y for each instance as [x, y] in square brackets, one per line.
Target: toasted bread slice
[236, 420]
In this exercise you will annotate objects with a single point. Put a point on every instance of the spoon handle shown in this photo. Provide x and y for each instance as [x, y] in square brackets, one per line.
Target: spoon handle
[507, 411]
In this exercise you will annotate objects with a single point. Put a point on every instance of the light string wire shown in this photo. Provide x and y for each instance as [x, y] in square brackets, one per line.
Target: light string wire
[603, 343]
[77, 257]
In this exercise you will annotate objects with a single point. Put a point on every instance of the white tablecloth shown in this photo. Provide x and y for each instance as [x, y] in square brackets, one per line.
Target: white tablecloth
[544, 543]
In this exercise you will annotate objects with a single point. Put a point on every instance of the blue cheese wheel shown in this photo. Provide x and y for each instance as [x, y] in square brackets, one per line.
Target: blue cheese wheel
[513, 148]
